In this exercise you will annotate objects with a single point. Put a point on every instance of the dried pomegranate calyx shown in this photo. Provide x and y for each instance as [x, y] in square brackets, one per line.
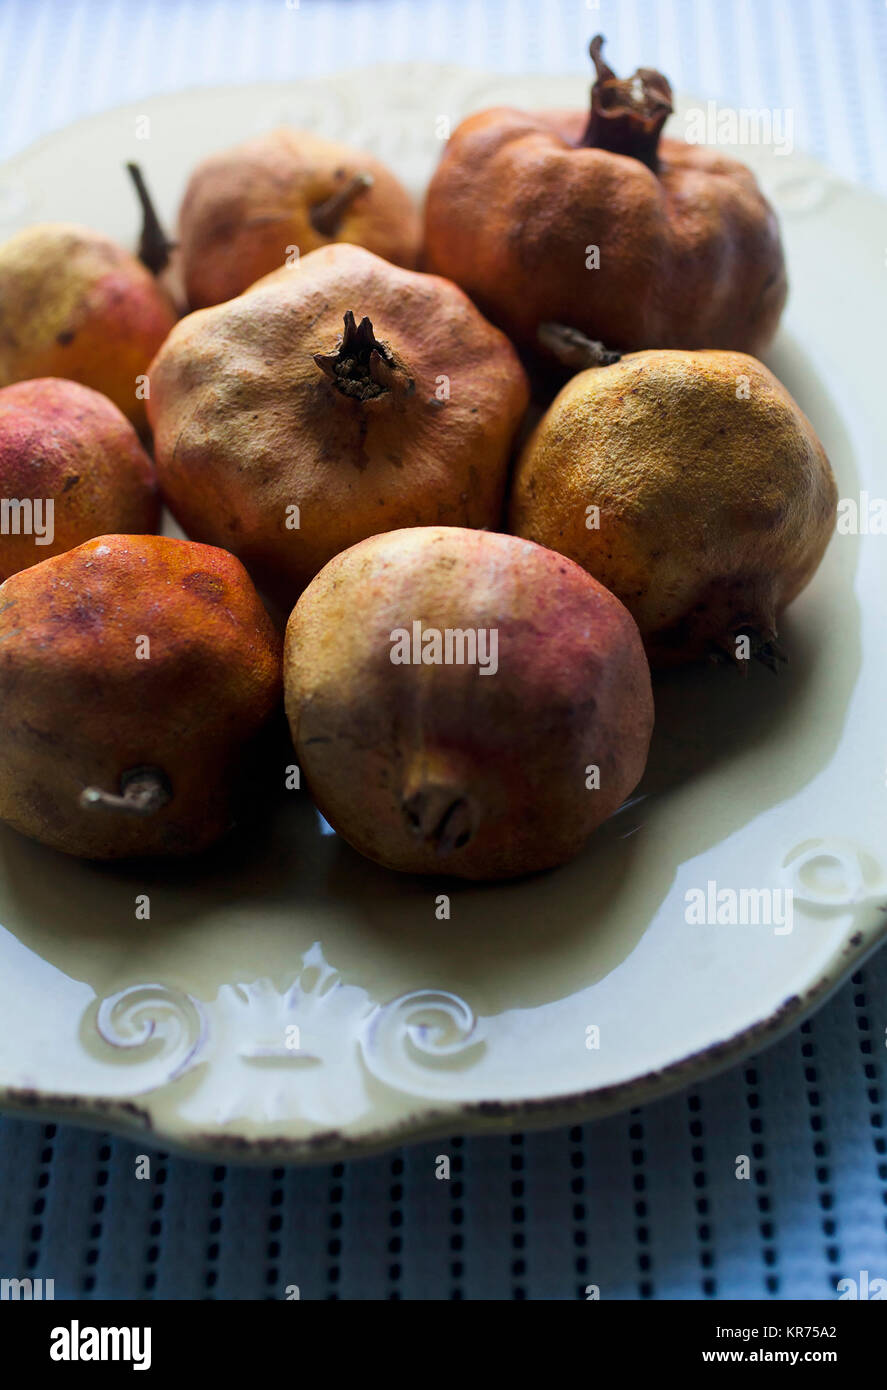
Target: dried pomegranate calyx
[327, 216]
[627, 114]
[143, 790]
[154, 245]
[362, 367]
[573, 348]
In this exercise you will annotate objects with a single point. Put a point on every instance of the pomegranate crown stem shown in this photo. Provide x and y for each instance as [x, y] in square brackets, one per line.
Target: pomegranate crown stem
[327, 216]
[143, 792]
[362, 366]
[154, 244]
[627, 114]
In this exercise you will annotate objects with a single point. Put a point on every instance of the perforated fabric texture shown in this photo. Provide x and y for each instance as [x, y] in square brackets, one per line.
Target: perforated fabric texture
[643, 1205]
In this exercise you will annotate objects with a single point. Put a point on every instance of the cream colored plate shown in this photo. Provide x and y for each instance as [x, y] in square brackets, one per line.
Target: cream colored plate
[287, 998]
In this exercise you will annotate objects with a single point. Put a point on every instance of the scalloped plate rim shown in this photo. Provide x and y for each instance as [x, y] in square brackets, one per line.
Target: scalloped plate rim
[113, 1114]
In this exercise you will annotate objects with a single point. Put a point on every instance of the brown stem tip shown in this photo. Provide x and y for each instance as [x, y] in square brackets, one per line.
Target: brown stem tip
[627, 114]
[143, 791]
[362, 367]
[154, 245]
[441, 816]
[572, 349]
[326, 216]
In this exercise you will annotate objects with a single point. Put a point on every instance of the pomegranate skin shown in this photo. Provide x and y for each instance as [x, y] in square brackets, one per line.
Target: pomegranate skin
[444, 768]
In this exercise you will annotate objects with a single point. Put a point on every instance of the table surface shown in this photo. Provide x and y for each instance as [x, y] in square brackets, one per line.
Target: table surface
[644, 1205]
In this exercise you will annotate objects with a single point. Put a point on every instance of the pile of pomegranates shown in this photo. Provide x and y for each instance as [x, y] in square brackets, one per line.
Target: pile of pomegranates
[470, 606]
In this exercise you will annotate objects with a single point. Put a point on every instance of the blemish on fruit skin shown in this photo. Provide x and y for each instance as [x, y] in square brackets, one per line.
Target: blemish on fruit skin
[204, 585]
[81, 616]
[63, 339]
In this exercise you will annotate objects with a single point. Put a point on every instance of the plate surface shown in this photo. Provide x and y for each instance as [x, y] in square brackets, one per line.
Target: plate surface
[287, 999]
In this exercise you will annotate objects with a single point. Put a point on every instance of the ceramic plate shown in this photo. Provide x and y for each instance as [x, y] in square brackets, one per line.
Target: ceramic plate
[286, 998]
